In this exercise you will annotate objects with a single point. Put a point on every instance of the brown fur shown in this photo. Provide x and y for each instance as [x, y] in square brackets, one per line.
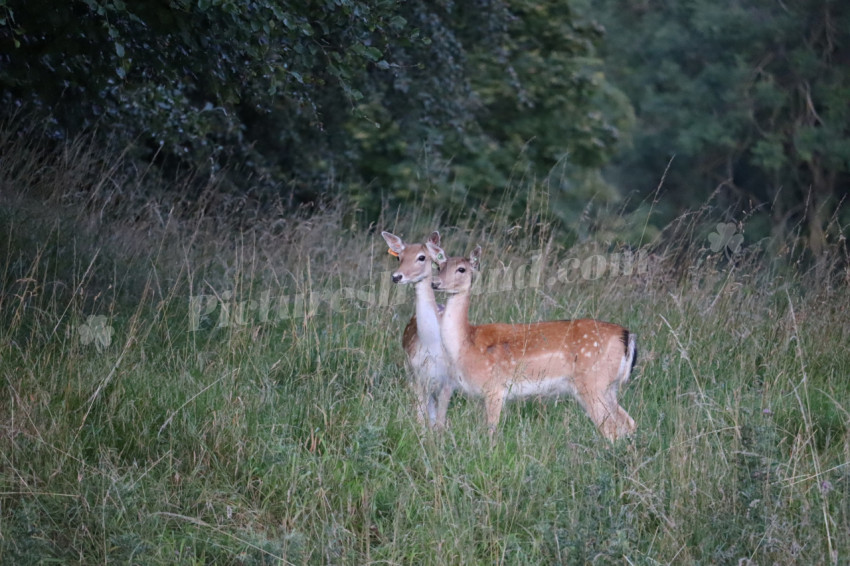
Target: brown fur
[588, 359]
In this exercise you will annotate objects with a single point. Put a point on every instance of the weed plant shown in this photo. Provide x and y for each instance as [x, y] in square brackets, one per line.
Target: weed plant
[219, 380]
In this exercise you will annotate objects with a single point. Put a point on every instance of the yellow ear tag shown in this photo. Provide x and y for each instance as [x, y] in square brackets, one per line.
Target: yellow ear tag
[392, 253]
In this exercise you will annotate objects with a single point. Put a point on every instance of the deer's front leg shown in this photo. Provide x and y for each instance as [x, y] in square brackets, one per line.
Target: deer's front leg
[493, 403]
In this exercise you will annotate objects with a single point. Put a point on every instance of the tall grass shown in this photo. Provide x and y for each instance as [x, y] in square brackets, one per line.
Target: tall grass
[231, 436]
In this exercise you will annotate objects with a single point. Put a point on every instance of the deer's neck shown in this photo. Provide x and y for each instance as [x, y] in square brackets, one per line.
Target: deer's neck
[455, 326]
[427, 321]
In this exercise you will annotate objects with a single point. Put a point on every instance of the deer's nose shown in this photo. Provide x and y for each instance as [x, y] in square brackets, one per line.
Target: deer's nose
[396, 277]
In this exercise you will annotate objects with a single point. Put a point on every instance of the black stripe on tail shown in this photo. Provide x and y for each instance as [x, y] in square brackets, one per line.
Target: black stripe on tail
[625, 339]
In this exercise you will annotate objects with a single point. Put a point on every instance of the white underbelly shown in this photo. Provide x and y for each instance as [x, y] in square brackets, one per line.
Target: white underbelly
[546, 386]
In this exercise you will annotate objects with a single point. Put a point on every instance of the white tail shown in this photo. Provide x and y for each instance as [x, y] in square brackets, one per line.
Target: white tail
[588, 359]
[421, 339]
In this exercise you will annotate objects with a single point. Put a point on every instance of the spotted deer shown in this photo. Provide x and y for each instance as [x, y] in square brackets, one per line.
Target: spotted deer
[433, 386]
[588, 359]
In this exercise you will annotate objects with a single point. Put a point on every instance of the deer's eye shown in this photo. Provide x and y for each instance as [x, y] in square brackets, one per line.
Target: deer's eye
[461, 270]
[420, 258]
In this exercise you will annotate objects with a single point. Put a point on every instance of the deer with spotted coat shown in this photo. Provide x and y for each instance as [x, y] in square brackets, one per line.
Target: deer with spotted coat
[587, 359]
[433, 385]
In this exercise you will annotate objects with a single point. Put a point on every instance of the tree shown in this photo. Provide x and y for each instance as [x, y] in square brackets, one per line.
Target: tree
[530, 105]
[437, 101]
[263, 84]
[750, 97]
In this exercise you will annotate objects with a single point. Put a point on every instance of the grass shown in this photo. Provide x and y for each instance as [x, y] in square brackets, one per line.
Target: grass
[238, 437]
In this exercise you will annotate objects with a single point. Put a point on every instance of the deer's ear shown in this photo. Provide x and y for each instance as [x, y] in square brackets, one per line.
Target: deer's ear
[436, 252]
[434, 238]
[394, 242]
[475, 258]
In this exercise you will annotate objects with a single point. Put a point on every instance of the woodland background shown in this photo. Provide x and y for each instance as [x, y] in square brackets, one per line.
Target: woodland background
[453, 104]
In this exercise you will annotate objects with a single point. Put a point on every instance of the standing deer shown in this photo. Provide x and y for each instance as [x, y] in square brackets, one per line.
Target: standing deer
[588, 359]
[433, 385]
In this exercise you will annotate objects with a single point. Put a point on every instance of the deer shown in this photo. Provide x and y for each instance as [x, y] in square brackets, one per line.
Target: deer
[433, 385]
[587, 359]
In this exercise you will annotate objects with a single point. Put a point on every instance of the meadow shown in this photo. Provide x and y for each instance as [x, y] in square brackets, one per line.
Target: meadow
[217, 380]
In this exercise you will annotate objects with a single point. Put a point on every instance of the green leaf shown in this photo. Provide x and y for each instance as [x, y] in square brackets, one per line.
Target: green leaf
[370, 53]
[769, 153]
